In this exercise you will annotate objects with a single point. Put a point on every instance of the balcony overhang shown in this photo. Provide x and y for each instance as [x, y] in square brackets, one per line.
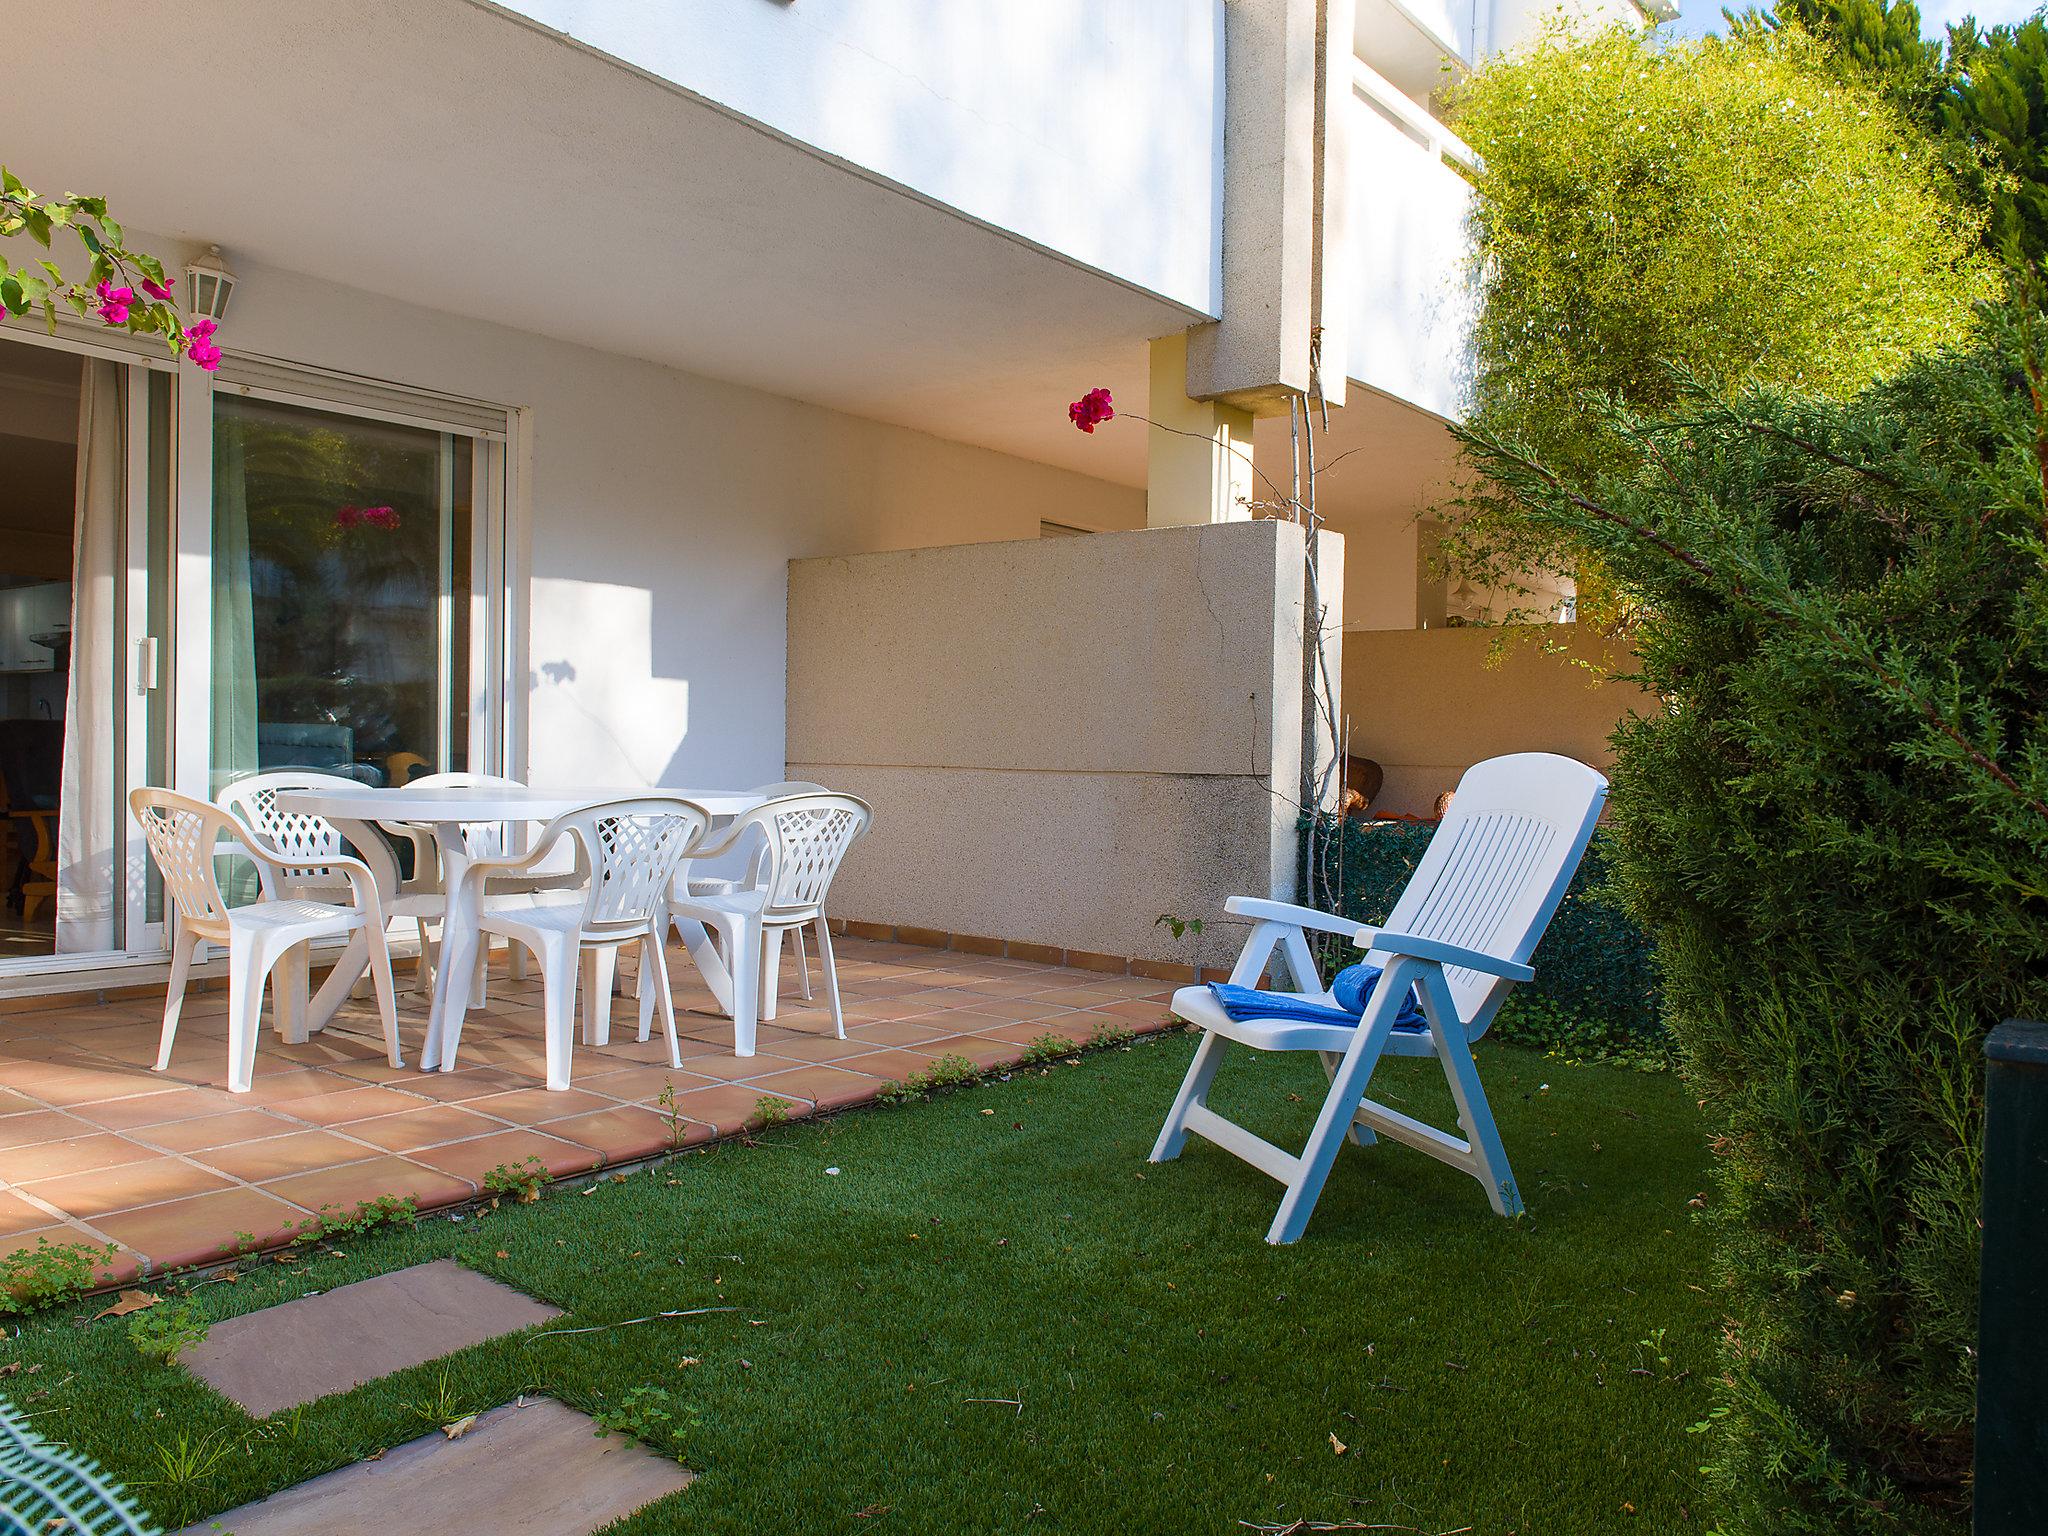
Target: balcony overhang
[460, 159]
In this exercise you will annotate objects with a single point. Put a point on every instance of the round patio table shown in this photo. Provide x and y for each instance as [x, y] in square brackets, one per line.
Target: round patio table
[446, 809]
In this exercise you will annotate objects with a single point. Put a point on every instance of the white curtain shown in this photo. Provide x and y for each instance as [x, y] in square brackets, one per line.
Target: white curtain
[86, 890]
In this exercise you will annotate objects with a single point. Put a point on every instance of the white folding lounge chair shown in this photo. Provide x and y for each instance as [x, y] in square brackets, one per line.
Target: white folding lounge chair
[1460, 936]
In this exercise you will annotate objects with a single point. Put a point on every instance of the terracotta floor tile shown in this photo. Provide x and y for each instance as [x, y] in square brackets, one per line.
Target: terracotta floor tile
[812, 1048]
[472, 1082]
[427, 1126]
[275, 1156]
[728, 1069]
[894, 1065]
[826, 1087]
[358, 1102]
[624, 1134]
[216, 1130]
[640, 1085]
[36, 1125]
[202, 1228]
[347, 1187]
[529, 1106]
[19, 1215]
[12, 1103]
[474, 1159]
[157, 1108]
[89, 1196]
[728, 1106]
[989, 1054]
[67, 1082]
[903, 1032]
[80, 1152]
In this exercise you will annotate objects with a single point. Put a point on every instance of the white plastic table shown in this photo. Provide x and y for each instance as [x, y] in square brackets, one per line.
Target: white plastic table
[446, 809]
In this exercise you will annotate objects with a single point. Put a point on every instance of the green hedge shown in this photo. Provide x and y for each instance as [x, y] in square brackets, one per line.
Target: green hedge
[1595, 992]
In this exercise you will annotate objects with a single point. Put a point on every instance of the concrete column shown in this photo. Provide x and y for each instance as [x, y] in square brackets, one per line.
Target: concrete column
[1258, 352]
[1201, 472]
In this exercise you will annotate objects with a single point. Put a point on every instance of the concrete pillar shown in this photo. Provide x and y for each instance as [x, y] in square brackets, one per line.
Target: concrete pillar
[1200, 472]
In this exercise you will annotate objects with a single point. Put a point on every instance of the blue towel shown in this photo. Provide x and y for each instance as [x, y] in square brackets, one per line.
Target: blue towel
[1352, 988]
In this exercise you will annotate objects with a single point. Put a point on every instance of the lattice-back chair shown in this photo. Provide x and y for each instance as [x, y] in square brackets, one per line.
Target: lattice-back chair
[48, 1488]
[711, 885]
[185, 837]
[632, 851]
[1434, 975]
[807, 838]
[292, 834]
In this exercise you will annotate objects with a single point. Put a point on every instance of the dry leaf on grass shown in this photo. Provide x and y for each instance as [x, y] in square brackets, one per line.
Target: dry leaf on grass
[1338, 1445]
[126, 1302]
[460, 1427]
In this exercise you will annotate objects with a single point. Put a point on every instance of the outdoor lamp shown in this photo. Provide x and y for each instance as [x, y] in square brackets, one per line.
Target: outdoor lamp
[208, 283]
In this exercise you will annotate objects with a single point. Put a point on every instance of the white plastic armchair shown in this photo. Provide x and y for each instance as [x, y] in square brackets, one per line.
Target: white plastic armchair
[713, 885]
[631, 850]
[805, 839]
[1458, 940]
[184, 837]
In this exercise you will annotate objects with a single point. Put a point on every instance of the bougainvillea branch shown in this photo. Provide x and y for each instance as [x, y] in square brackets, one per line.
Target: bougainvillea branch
[114, 273]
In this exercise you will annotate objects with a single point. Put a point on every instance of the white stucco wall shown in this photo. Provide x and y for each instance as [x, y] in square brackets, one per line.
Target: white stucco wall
[1090, 127]
[664, 510]
[1412, 296]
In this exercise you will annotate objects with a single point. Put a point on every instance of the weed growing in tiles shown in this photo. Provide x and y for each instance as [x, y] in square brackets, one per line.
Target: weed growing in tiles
[42, 1276]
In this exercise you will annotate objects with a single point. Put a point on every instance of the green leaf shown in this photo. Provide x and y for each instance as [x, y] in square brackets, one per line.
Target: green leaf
[33, 288]
[92, 241]
[56, 272]
[96, 206]
[38, 225]
[109, 228]
[11, 183]
[75, 297]
[11, 296]
[149, 265]
[50, 316]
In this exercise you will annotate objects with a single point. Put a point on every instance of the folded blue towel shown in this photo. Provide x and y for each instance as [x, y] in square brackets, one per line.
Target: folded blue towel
[1352, 988]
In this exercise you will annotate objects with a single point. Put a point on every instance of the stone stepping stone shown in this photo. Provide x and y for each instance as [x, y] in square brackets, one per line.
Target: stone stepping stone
[531, 1469]
[299, 1350]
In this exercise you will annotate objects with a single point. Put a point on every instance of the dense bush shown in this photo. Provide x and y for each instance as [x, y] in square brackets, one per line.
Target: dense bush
[1836, 836]
[1594, 994]
[1735, 207]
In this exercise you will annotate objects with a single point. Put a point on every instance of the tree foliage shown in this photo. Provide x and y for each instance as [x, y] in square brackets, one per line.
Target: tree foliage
[1837, 836]
[1731, 208]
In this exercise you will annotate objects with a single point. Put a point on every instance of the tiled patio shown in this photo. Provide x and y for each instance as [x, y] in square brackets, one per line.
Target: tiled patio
[95, 1147]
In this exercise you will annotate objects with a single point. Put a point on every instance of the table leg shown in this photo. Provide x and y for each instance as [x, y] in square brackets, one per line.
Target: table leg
[710, 964]
[452, 979]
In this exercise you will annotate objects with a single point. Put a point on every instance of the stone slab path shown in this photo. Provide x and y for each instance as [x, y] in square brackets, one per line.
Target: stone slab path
[301, 1350]
[531, 1469]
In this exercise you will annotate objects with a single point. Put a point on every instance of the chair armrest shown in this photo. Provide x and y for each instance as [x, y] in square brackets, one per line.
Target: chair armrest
[481, 871]
[1416, 947]
[1299, 917]
[362, 882]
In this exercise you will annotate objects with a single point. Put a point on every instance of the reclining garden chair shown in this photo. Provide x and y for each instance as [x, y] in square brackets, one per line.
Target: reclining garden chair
[1460, 936]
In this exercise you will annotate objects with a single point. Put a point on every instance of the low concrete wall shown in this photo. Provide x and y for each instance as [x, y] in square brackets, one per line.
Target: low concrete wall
[1426, 704]
[1062, 738]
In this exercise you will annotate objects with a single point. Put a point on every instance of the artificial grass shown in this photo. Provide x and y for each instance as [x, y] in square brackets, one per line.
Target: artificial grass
[1009, 1242]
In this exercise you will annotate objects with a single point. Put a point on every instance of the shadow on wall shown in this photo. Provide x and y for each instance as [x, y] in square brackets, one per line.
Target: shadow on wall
[1426, 704]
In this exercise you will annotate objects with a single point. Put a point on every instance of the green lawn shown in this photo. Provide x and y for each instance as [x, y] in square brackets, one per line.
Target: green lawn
[1175, 1373]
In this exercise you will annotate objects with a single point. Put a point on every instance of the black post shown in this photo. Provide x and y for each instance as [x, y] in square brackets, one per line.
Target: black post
[2012, 1326]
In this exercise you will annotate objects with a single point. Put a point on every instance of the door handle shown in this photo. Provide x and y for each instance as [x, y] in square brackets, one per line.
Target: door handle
[145, 664]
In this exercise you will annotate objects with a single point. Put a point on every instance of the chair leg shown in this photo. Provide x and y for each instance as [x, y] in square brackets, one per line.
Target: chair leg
[423, 967]
[829, 964]
[479, 995]
[1194, 1089]
[249, 963]
[1475, 1116]
[654, 985]
[387, 992]
[744, 943]
[771, 969]
[803, 962]
[558, 967]
[289, 989]
[182, 945]
[600, 964]
[1359, 1133]
[1347, 1088]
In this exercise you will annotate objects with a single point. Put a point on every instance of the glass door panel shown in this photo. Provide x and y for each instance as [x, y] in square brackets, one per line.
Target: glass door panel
[341, 557]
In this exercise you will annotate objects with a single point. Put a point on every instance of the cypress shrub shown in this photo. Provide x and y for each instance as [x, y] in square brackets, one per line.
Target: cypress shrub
[1594, 993]
[1836, 835]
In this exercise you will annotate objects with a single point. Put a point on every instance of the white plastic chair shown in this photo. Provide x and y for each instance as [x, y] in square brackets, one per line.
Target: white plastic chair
[631, 850]
[756, 867]
[1461, 936]
[184, 836]
[805, 838]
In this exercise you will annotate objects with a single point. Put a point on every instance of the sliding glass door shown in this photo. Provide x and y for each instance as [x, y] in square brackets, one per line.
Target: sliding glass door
[345, 572]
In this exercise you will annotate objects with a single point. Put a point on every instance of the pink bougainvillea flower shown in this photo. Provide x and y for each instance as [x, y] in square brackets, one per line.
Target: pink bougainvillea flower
[381, 517]
[205, 354]
[114, 303]
[200, 330]
[158, 290]
[1091, 410]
